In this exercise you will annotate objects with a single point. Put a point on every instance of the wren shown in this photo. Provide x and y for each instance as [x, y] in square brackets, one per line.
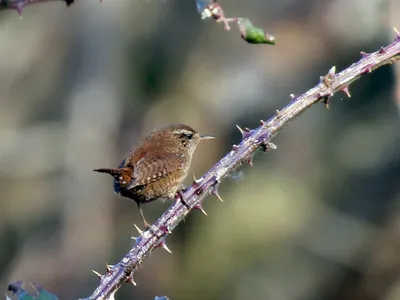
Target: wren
[156, 167]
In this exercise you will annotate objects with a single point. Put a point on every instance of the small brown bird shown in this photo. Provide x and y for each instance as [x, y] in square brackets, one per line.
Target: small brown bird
[157, 166]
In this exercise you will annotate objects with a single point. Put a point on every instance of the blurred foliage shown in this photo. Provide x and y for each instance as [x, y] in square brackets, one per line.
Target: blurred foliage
[40, 294]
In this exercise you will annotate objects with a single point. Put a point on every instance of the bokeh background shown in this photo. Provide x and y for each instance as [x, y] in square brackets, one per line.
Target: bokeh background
[318, 219]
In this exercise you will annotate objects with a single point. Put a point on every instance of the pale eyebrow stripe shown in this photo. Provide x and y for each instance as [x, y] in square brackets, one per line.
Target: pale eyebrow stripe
[179, 131]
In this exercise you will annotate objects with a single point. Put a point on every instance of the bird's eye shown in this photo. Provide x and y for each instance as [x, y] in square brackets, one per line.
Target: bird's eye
[186, 136]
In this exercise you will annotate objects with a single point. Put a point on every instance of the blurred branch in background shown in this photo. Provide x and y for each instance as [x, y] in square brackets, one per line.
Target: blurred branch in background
[19, 5]
[249, 32]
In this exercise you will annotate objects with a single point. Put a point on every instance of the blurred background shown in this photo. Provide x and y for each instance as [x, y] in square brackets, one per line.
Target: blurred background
[318, 219]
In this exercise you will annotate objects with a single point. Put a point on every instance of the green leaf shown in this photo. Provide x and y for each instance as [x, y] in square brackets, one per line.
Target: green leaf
[253, 34]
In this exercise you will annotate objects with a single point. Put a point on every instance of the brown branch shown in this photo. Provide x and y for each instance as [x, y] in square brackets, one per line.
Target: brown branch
[252, 140]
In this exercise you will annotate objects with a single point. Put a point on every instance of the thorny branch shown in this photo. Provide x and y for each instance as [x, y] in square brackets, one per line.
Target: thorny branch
[253, 139]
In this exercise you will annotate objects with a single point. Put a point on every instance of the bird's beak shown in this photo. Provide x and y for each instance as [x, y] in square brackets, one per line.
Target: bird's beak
[206, 137]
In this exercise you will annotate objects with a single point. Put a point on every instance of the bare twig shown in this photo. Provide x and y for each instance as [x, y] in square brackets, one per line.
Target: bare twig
[249, 32]
[206, 9]
[252, 140]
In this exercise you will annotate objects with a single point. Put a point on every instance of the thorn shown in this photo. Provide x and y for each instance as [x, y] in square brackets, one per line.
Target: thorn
[364, 54]
[19, 7]
[130, 280]
[109, 268]
[196, 182]
[292, 96]
[165, 247]
[327, 79]
[262, 122]
[235, 147]
[136, 238]
[397, 33]
[250, 161]
[382, 50]
[332, 71]
[346, 91]
[200, 208]
[245, 132]
[214, 192]
[367, 69]
[139, 230]
[98, 274]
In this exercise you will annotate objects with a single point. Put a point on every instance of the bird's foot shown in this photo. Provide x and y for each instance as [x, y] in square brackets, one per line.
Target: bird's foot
[182, 199]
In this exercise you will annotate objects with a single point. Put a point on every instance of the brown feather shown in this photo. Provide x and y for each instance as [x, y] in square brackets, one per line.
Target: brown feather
[122, 175]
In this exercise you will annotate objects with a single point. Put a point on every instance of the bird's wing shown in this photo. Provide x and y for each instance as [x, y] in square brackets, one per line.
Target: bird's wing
[153, 166]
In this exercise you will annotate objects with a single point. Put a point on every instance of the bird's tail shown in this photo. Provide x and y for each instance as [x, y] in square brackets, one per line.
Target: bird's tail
[122, 175]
